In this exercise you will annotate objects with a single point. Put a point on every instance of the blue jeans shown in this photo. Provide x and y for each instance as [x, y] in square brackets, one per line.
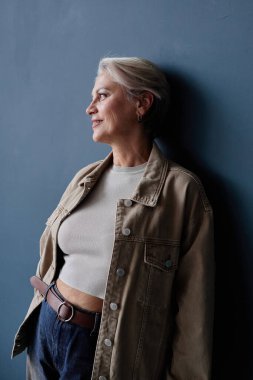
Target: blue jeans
[60, 350]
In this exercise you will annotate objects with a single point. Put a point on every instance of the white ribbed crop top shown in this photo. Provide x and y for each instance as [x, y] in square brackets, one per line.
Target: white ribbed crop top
[86, 237]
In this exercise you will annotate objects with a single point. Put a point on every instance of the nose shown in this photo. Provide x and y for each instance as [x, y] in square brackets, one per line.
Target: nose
[91, 109]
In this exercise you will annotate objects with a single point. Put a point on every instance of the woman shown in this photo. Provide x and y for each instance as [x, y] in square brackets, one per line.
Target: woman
[132, 239]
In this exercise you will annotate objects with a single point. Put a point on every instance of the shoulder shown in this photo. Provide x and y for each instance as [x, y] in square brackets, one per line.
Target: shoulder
[181, 173]
[187, 183]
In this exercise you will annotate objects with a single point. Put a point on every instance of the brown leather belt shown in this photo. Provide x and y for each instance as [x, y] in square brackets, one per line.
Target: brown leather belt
[66, 312]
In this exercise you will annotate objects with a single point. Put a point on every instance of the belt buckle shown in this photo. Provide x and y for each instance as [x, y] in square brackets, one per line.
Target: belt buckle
[59, 309]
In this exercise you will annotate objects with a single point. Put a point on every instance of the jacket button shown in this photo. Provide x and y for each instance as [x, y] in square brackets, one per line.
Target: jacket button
[126, 231]
[108, 342]
[120, 272]
[113, 306]
[128, 202]
[168, 263]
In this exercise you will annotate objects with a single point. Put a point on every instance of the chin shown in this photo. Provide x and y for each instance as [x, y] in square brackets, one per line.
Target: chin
[97, 138]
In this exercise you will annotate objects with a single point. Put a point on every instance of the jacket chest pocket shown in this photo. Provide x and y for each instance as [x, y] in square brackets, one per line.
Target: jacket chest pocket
[54, 221]
[58, 214]
[162, 257]
[55, 214]
[161, 262]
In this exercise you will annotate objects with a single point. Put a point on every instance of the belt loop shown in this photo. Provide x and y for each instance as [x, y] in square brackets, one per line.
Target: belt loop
[96, 324]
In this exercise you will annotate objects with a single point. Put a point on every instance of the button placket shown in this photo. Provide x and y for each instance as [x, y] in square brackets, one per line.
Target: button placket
[106, 339]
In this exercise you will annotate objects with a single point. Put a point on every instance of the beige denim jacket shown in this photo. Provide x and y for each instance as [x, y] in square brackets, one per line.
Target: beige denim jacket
[161, 276]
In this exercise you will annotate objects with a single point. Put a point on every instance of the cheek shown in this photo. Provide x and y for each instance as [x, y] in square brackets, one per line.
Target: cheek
[112, 112]
[118, 112]
[114, 117]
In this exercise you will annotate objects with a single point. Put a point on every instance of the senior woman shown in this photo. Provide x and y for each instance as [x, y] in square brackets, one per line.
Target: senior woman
[124, 285]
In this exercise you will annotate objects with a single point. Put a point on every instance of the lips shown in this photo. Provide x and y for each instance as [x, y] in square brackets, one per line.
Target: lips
[95, 123]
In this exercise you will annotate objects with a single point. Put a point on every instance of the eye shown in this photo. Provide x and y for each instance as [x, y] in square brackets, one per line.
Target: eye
[102, 96]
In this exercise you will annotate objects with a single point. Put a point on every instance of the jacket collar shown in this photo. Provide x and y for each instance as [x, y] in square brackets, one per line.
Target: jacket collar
[150, 185]
[149, 188]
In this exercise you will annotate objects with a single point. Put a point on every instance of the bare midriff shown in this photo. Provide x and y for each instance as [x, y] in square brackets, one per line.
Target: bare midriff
[78, 298]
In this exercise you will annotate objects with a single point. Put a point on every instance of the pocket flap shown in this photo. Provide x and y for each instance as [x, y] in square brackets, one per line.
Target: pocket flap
[162, 256]
[54, 215]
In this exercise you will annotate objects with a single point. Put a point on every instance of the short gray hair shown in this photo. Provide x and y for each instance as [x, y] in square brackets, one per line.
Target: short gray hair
[137, 75]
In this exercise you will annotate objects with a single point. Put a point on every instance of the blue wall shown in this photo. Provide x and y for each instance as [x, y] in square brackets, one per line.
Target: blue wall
[49, 53]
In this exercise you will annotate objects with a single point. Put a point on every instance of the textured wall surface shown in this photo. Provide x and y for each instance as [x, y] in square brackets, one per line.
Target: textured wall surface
[49, 51]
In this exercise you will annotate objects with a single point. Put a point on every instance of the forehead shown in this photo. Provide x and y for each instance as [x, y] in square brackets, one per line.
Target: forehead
[104, 81]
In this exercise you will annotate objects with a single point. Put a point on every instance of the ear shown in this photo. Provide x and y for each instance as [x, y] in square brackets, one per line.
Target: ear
[144, 102]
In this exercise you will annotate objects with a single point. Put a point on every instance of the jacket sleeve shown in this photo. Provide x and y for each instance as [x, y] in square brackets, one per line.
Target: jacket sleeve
[192, 341]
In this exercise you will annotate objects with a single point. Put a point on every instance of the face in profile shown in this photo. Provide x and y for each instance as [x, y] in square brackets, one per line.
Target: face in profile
[113, 115]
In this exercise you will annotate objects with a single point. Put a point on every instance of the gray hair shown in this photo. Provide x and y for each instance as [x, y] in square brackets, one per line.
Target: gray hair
[137, 75]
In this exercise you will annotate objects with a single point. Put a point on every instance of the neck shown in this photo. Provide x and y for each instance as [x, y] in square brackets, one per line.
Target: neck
[132, 155]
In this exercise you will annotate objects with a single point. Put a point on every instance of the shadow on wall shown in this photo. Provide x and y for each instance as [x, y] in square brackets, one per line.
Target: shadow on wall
[233, 311]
